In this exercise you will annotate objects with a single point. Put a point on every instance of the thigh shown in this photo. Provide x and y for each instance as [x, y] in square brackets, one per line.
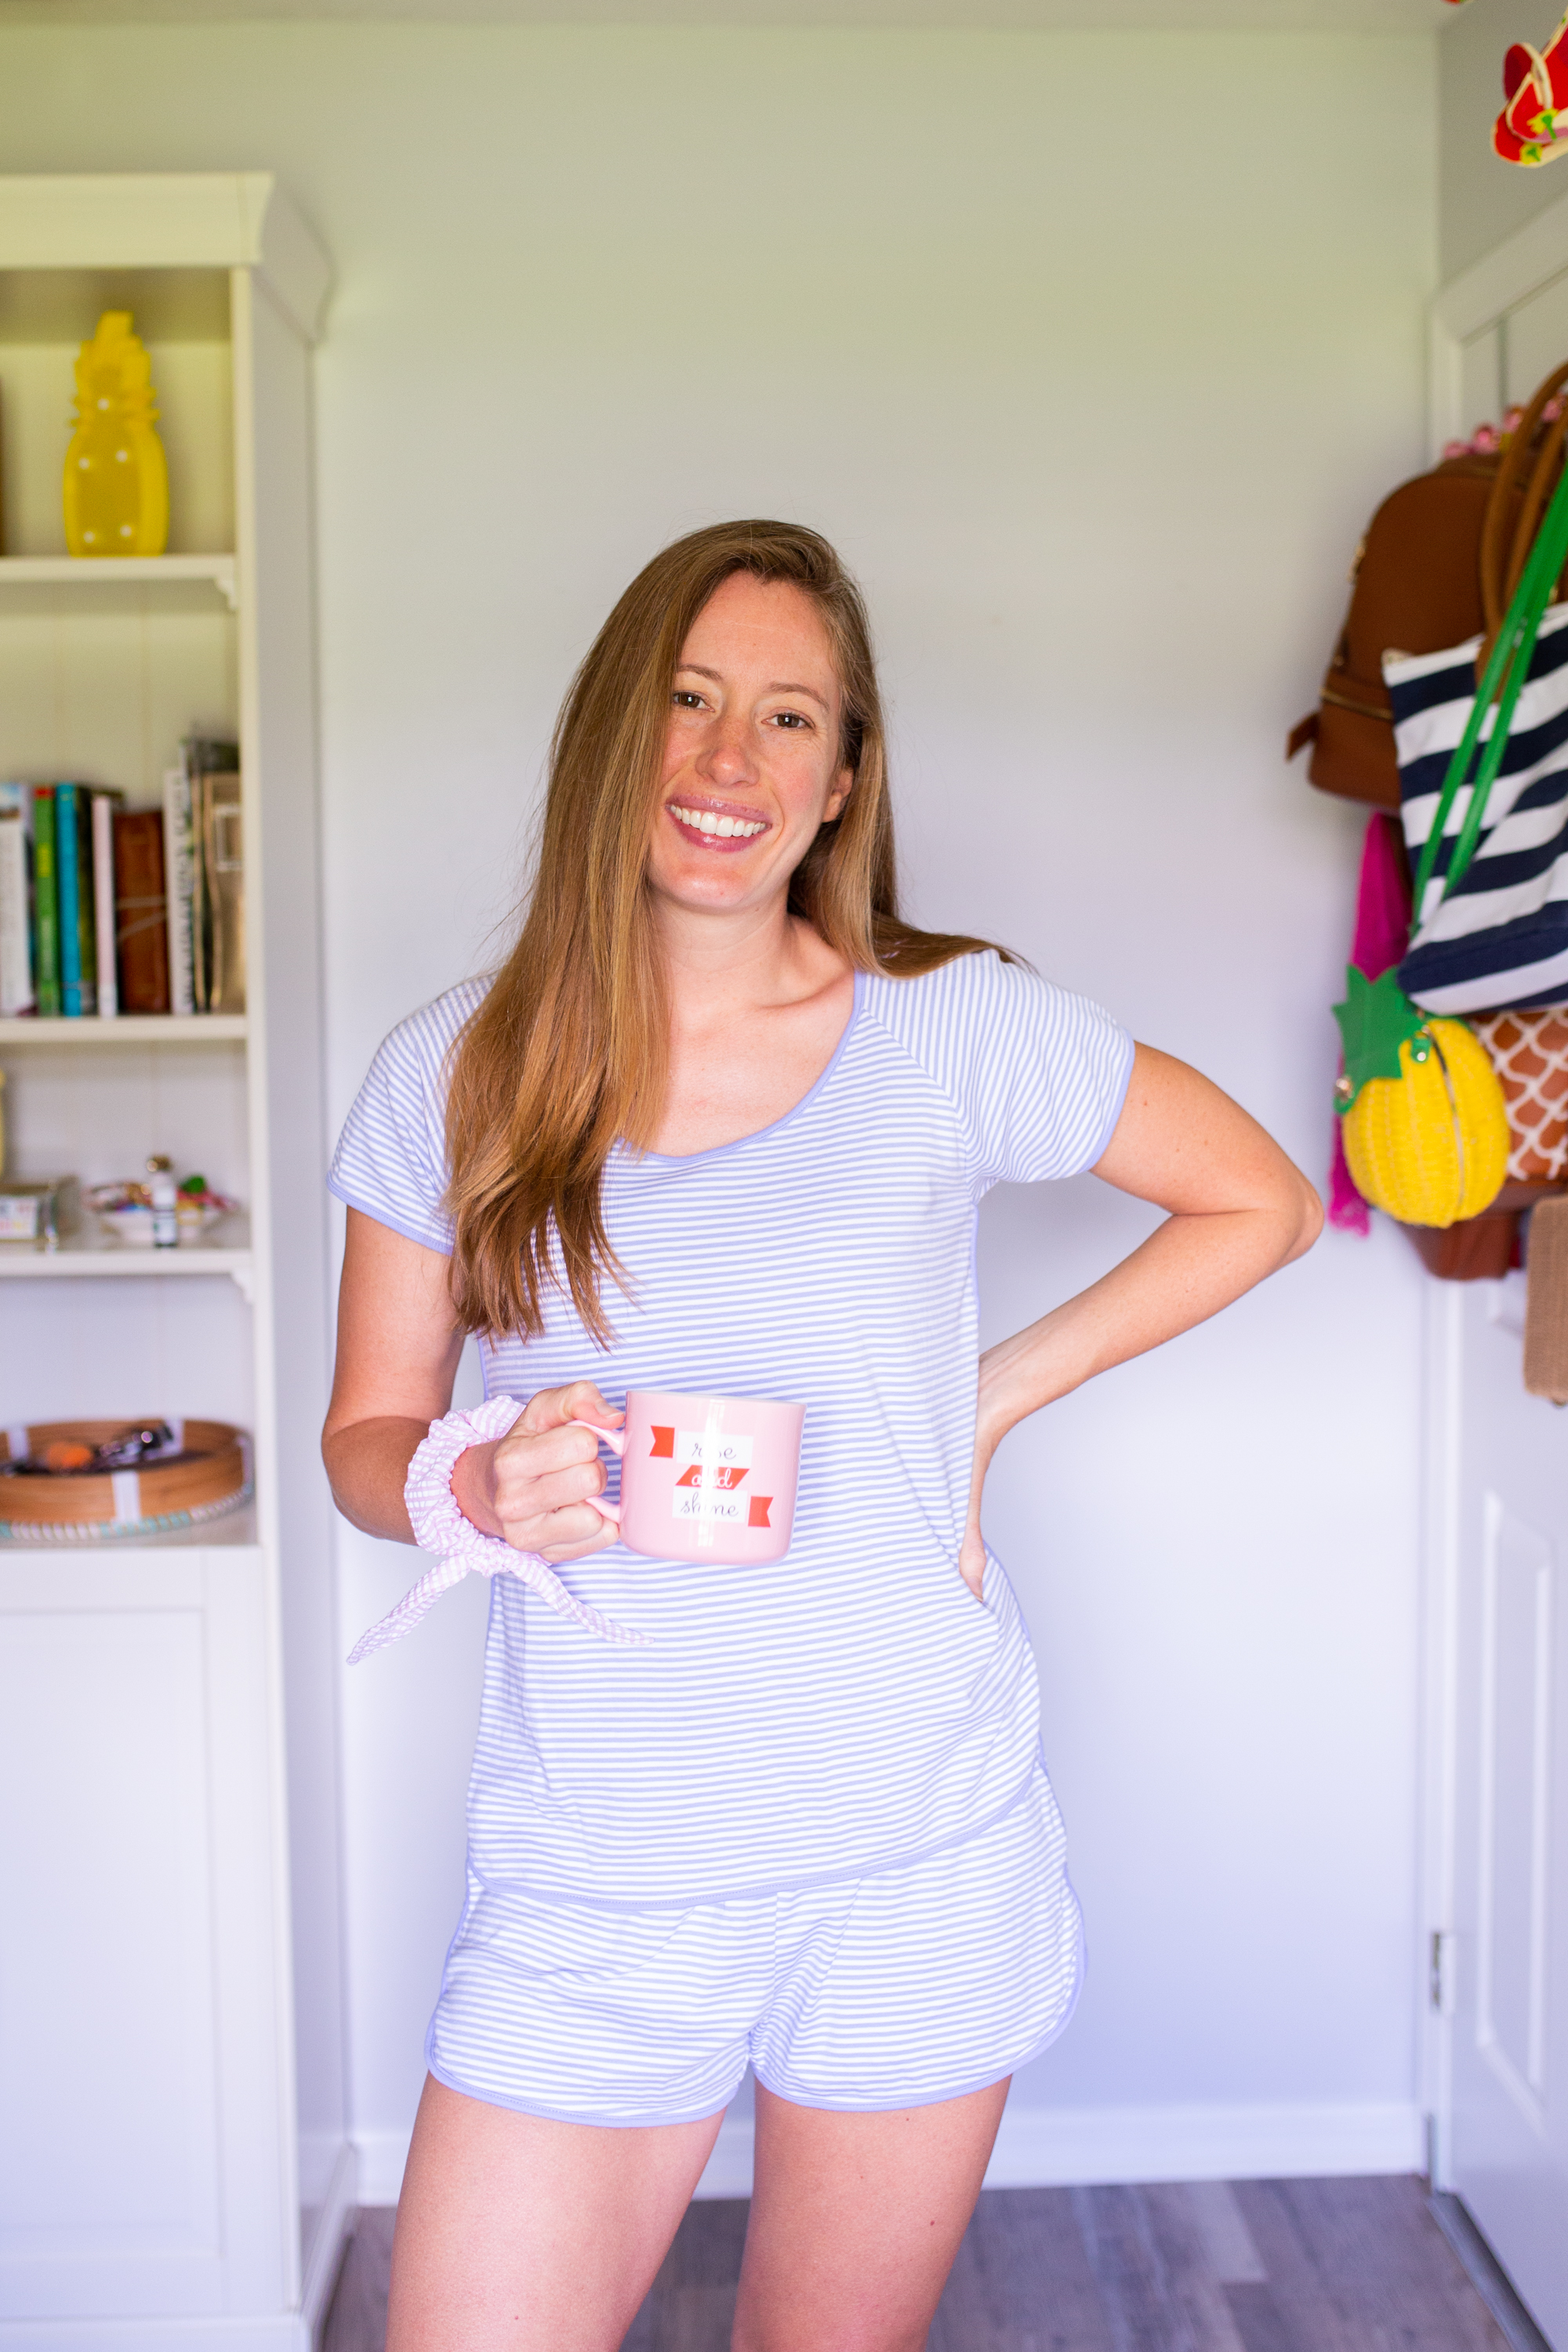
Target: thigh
[856, 2219]
[517, 2233]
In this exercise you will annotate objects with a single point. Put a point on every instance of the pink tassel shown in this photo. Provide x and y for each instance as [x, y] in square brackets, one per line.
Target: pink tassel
[1383, 899]
[1381, 928]
[1348, 1213]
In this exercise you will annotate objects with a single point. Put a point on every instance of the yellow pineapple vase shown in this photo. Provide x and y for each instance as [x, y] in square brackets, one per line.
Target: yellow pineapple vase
[117, 482]
[1425, 1124]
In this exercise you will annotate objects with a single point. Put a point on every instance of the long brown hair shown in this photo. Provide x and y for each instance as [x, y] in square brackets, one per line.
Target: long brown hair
[567, 1054]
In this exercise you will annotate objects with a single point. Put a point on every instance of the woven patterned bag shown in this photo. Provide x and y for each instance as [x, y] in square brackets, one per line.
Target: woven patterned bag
[1529, 1054]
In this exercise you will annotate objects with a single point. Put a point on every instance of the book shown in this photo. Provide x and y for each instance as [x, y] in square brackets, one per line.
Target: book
[177, 889]
[73, 866]
[141, 911]
[15, 907]
[103, 919]
[223, 870]
[211, 768]
[46, 903]
[200, 943]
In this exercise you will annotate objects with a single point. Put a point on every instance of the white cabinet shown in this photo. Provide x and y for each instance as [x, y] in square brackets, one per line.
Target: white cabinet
[174, 2168]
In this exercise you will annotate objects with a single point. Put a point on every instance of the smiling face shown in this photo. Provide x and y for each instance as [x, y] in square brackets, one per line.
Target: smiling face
[751, 750]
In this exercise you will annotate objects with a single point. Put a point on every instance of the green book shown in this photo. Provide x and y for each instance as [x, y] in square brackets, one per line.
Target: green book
[46, 903]
[73, 899]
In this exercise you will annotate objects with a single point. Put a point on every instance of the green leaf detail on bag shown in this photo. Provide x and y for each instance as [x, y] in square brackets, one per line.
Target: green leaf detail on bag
[1375, 1020]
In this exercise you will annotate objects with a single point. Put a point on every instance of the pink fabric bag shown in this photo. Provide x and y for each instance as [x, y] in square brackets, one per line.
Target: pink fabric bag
[1382, 931]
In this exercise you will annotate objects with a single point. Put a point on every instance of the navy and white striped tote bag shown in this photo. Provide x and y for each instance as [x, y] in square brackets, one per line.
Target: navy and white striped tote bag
[1502, 938]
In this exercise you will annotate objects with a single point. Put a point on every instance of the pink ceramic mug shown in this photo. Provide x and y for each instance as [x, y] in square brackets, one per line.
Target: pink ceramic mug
[705, 1478]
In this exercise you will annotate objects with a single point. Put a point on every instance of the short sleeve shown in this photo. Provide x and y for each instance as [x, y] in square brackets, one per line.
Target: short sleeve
[390, 1159]
[1037, 1073]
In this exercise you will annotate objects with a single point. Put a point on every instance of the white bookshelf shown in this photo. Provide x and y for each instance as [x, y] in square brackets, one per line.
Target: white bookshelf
[176, 2168]
[72, 572]
[103, 1257]
[126, 1029]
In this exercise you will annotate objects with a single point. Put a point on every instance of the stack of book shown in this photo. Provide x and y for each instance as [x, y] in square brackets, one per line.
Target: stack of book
[105, 910]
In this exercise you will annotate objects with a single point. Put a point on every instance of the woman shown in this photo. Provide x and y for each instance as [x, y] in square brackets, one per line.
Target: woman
[720, 1125]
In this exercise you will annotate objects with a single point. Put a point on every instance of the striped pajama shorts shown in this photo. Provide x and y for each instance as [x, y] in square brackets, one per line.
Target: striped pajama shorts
[918, 1982]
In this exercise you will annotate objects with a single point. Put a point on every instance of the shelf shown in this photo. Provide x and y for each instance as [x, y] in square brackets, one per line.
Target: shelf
[94, 1256]
[121, 571]
[235, 1531]
[125, 1029]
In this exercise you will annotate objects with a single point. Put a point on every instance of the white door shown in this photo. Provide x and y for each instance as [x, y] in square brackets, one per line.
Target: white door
[1497, 1574]
[1504, 1960]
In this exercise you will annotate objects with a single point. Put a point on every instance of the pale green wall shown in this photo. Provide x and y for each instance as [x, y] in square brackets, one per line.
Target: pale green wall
[1093, 352]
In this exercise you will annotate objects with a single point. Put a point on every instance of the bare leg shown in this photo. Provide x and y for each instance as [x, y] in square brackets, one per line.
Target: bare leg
[518, 2234]
[856, 2219]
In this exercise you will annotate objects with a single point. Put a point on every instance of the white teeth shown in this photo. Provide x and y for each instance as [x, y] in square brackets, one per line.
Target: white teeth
[725, 828]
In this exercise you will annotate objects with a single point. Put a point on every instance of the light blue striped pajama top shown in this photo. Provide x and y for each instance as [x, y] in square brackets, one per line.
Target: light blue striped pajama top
[853, 1705]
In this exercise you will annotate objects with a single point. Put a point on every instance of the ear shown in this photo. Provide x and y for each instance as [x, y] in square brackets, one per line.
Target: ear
[837, 799]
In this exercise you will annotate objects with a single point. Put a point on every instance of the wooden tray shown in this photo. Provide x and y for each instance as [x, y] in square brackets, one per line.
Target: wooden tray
[153, 1499]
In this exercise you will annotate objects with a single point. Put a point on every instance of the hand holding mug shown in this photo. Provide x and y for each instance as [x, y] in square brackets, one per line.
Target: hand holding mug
[705, 1478]
[709, 1479]
[537, 1487]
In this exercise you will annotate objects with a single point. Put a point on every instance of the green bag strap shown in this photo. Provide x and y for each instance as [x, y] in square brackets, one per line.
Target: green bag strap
[1509, 667]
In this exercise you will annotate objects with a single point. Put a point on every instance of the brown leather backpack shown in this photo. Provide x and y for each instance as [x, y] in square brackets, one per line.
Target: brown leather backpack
[1441, 558]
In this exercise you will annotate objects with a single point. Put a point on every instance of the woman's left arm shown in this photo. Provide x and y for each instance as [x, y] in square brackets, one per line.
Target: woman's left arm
[1238, 1210]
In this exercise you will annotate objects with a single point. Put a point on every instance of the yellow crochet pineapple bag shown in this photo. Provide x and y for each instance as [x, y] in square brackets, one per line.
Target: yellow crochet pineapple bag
[1426, 1141]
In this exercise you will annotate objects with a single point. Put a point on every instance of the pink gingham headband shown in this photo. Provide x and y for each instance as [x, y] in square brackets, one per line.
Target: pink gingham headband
[439, 1527]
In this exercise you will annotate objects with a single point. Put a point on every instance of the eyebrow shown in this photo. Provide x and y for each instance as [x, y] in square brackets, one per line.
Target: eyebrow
[777, 686]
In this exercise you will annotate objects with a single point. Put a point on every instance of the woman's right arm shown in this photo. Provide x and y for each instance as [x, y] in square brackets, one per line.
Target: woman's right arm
[398, 1346]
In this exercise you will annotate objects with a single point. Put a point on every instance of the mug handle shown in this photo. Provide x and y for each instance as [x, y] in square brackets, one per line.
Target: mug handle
[616, 1440]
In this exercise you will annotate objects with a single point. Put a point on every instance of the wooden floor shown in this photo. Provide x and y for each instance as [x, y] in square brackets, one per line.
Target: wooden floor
[1254, 2266]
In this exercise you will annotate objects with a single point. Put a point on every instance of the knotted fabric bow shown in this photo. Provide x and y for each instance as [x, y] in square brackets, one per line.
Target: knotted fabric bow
[439, 1527]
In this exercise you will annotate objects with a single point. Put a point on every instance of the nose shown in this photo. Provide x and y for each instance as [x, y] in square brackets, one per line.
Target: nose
[727, 758]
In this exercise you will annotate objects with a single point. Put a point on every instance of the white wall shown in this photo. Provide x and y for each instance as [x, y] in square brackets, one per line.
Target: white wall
[1094, 376]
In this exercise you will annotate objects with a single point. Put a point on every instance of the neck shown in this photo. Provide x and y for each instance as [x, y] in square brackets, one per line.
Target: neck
[750, 955]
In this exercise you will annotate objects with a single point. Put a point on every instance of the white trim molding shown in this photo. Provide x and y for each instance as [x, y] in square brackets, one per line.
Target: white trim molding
[1510, 274]
[166, 220]
[1050, 2147]
[1057, 2147]
[284, 2332]
[1470, 305]
[338, 2196]
[382, 2157]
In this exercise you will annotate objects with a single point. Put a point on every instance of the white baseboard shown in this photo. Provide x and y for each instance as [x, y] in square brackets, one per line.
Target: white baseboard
[382, 2157]
[321, 2153]
[286, 2333]
[337, 2196]
[1049, 2148]
[1052, 2148]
